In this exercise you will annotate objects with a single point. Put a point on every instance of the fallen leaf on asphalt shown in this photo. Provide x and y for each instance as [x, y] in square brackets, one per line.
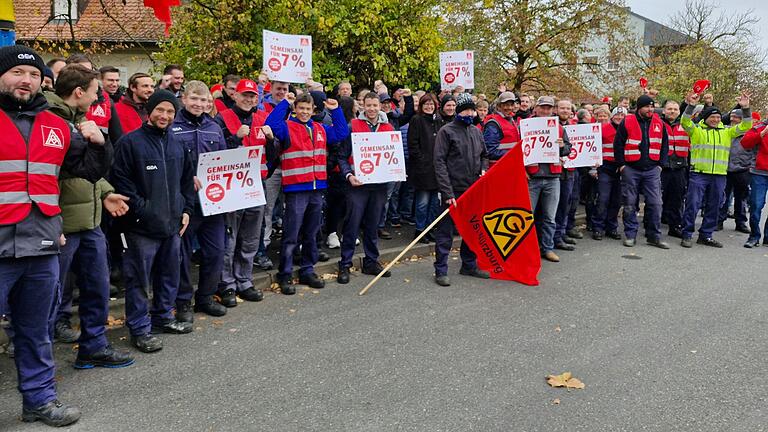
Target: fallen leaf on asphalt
[75, 347]
[406, 280]
[556, 401]
[202, 318]
[233, 330]
[694, 352]
[275, 286]
[198, 328]
[291, 310]
[329, 276]
[301, 294]
[414, 257]
[315, 291]
[115, 322]
[564, 380]
[558, 329]
[217, 323]
[239, 300]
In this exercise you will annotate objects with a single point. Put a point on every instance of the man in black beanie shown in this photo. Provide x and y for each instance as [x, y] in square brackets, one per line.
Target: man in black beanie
[153, 169]
[36, 145]
[641, 149]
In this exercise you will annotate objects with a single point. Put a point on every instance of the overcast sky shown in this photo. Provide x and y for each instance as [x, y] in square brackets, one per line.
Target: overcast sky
[661, 10]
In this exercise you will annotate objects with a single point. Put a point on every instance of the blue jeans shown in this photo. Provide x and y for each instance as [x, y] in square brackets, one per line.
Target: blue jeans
[426, 208]
[546, 192]
[633, 183]
[392, 189]
[405, 206]
[605, 218]
[701, 188]
[564, 205]
[759, 187]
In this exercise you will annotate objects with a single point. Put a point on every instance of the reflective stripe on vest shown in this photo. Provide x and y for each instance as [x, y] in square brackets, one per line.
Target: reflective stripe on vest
[635, 137]
[29, 170]
[510, 136]
[609, 132]
[256, 136]
[305, 159]
[679, 143]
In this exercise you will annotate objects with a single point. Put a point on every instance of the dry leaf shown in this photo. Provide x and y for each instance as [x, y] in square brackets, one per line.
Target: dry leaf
[198, 328]
[414, 257]
[556, 401]
[291, 310]
[328, 276]
[558, 329]
[233, 330]
[315, 291]
[217, 323]
[202, 318]
[406, 280]
[239, 300]
[301, 294]
[565, 380]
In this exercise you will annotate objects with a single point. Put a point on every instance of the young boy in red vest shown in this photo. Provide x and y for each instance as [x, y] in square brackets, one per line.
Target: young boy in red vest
[303, 150]
[365, 202]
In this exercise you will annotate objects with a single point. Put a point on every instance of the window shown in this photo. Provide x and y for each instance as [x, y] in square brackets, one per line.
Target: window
[63, 10]
[612, 64]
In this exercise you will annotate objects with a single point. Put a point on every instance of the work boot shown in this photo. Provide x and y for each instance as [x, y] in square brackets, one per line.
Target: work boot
[228, 298]
[251, 294]
[173, 327]
[312, 280]
[551, 256]
[384, 235]
[743, 229]
[286, 287]
[322, 256]
[686, 243]
[597, 235]
[209, 307]
[343, 277]
[63, 332]
[630, 242]
[614, 235]
[709, 242]
[443, 280]
[375, 269]
[54, 413]
[675, 232]
[574, 233]
[147, 343]
[475, 272]
[184, 312]
[751, 243]
[569, 240]
[106, 358]
[564, 246]
[658, 243]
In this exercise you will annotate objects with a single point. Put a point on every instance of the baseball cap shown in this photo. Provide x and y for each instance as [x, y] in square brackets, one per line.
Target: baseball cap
[246, 85]
[545, 100]
[507, 96]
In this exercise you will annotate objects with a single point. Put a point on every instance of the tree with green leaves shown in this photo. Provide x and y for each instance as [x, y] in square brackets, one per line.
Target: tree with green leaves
[397, 41]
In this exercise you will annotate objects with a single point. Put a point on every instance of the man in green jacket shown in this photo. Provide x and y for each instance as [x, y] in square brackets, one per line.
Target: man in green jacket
[84, 243]
[710, 147]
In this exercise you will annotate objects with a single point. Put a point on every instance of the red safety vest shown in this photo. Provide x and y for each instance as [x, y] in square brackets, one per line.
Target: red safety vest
[268, 107]
[220, 106]
[29, 172]
[635, 137]
[255, 138]
[510, 136]
[361, 126]
[305, 159]
[679, 143]
[129, 118]
[609, 133]
[554, 168]
[101, 113]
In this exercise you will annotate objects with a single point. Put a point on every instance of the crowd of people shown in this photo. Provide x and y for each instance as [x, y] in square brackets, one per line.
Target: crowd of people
[98, 183]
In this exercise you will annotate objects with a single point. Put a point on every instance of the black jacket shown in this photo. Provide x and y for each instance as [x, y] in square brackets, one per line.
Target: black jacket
[422, 131]
[460, 158]
[154, 170]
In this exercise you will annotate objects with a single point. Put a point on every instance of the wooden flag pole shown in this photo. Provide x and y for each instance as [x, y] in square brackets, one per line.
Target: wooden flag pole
[407, 248]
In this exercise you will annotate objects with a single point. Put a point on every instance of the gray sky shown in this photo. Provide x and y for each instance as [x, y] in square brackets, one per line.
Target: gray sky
[661, 10]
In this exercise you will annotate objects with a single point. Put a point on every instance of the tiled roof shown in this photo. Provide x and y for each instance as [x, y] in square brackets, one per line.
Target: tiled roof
[33, 21]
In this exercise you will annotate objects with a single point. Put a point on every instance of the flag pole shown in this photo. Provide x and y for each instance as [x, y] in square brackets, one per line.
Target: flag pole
[407, 248]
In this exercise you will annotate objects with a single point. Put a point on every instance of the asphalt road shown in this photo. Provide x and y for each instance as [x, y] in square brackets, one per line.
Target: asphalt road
[672, 341]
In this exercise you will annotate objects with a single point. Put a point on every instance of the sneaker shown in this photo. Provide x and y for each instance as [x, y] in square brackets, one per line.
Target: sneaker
[630, 242]
[374, 270]
[743, 229]
[312, 280]
[385, 235]
[251, 294]
[574, 233]
[63, 332]
[658, 243]
[686, 243]
[54, 413]
[286, 287]
[228, 298]
[752, 243]
[333, 241]
[709, 242]
[184, 312]
[443, 280]
[343, 277]
[264, 262]
[396, 225]
[564, 246]
[147, 343]
[106, 358]
[323, 257]
[210, 307]
[475, 272]
[173, 327]
[551, 256]
[614, 235]
[597, 235]
[569, 240]
[409, 222]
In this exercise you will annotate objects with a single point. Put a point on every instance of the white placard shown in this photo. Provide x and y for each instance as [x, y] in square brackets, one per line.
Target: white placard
[538, 136]
[378, 157]
[231, 180]
[586, 145]
[457, 68]
[287, 57]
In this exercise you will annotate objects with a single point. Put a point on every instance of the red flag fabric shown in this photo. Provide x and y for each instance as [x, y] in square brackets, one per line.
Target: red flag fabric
[495, 219]
[643, 82]
[162, 10]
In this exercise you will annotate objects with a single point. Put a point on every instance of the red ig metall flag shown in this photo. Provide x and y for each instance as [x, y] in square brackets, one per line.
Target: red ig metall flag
[162, 10]
[495, 219]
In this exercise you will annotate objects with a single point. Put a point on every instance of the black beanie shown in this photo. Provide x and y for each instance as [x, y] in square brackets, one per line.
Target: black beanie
[708, 111]
[644, 101]
[15, 55]
[161, 95]
[464, 101]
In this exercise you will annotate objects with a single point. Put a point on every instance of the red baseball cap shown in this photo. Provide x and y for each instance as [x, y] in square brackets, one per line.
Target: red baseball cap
[217, 87]
[246, 85]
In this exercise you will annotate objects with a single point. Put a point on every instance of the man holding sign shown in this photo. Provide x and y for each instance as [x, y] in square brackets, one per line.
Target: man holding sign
[365, 202]
[544, 178]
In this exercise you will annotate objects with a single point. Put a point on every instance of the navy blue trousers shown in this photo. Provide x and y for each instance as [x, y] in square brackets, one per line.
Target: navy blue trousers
[303, 214]
[210, 235]
[85, 254]
[702, 188]
[606, 214]
[156, 263]
[633, 183]
[364, 206]
[30, 289]
[674, 181]
[443, 243]
[567, 185]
